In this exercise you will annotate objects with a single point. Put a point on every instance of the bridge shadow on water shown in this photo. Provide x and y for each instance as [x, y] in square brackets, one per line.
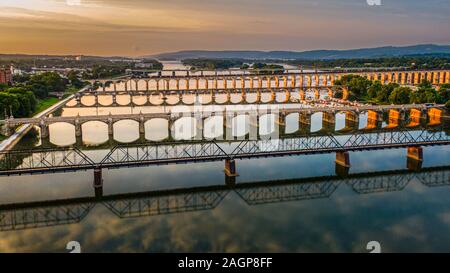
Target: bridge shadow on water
[15, 216]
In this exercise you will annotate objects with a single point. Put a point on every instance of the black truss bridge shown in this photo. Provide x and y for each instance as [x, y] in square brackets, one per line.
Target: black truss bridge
[127, 155]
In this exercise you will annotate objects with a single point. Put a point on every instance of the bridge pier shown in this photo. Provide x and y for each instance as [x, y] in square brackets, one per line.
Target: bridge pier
[98, 182]
[280, 122]
[228, 125]
[374, 120]
[78, 129]
[434, 116]
[328, 121]
[141, 127]
[342, 166]
[351, 120]
[78, 100]
[253, 128]
[330, 93]
[316, 93]
[416, 117]
[230, 168]
[78, 141]
[414, 158]
[44, 130]
[8, 130]
[395, 118]
[345, 93]
[288, 96]
[305, 121]
[114, 99]
[199, 128]
[302, 95]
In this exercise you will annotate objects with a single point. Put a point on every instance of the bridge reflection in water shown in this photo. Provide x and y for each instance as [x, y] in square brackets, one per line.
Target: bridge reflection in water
[73, 210]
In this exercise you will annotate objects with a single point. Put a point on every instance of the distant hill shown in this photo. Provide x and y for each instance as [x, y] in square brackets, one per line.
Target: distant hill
[388, 51]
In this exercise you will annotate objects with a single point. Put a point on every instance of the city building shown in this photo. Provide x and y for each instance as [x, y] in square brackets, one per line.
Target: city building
[5, 76]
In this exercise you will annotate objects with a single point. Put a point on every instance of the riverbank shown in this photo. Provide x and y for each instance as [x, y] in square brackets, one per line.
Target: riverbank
[47, 108]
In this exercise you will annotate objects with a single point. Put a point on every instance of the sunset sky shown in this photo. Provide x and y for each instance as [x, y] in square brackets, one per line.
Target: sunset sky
[141, 27]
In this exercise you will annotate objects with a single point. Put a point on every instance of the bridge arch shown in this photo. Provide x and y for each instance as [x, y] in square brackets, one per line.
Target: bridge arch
[62, 134]
[126, 130]
[94, 132]
[157, 129]
[292, 122]
[213, 127]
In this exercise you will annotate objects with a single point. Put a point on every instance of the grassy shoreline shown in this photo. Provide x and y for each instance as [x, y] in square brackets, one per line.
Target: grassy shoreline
[44, 104]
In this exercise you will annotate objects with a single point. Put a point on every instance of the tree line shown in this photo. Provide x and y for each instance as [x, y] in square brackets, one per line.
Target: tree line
[362, 89]
[21, 99]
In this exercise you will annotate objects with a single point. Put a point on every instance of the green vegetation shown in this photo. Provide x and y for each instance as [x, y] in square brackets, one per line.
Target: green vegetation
[432, 61]
[212, 64]
[44, 104]
[362, 89]
[31, 94]
[20, 100]
[424, 61]
[106, 71]
[264, 68]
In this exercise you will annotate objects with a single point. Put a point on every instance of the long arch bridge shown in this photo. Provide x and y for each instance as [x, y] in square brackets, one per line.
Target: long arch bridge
[395, 115]
[207, 96]
[272, 79]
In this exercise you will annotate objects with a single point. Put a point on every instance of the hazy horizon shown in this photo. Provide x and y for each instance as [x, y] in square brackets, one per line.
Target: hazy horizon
[148, 27]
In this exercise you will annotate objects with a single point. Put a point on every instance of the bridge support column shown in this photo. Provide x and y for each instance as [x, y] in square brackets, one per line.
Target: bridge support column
[414, 158]
[8, 130]
[374, 120]
[330, 93]
[114, 99]
[288, 96]
[302, 95]
[110, 128]
[415, 117]
[78, 141]
[253, 128]
[141, 128]
[44, 130]
[230, 168]
[98, 182]
[78, 100]
[258, 96]
[395, 118]
[305, 121]
[351, 120]
[170, 123]
[228, 125]
[199, 127]
[78, 129]
[328, 121]
[316, 94]
[434, 116]
[342, 163]
[345, 93]
[280, 123]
